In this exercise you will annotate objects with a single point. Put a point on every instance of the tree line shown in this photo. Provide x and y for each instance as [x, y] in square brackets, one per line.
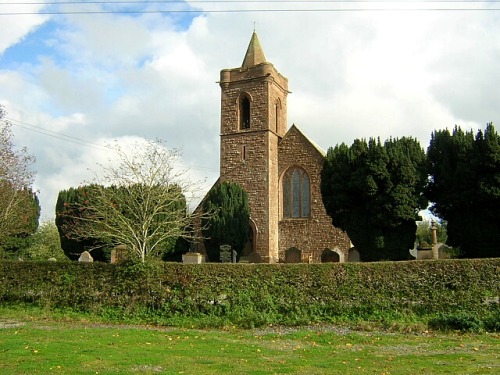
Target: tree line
[372, 190]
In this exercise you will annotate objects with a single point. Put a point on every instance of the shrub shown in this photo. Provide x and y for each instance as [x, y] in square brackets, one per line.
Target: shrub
[462, 321]
[256, 294]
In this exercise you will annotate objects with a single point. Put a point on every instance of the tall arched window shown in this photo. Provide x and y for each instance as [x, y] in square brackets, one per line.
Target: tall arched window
[296, 193]
[244, 112]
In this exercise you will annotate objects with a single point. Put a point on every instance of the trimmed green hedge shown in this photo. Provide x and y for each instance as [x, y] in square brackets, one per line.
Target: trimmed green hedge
[255, 294]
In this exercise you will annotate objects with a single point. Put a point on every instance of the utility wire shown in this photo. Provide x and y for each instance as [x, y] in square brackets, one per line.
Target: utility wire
[410, 6]
[328, 10]
[53, 134]
[242, 2]
[82, 142]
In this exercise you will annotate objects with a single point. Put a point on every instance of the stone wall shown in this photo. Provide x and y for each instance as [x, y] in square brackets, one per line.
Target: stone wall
[316, 233]
[249, 157]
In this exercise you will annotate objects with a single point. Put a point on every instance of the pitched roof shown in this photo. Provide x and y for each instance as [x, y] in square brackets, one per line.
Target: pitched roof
[315, 146]
[255, 54]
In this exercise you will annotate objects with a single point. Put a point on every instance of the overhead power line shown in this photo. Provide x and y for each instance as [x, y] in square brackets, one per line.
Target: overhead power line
[83, 142]
[53, 134]
[264, 6]
[147, 2]
[53, 13]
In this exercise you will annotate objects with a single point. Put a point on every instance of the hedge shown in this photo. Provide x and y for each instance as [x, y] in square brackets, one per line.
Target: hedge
[253, 294]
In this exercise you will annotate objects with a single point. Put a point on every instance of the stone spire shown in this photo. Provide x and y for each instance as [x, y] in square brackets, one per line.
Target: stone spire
[255, 54]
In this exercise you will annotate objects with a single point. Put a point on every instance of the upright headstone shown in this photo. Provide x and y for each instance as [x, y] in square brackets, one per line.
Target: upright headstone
[235, 256]
[225, 253]
[119, 254]
[85, 257]
[254, 257]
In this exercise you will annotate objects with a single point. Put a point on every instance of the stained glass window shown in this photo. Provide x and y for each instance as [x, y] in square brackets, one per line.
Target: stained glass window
[296, 194]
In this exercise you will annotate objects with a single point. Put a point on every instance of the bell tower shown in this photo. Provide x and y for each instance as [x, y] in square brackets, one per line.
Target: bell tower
[253, 121]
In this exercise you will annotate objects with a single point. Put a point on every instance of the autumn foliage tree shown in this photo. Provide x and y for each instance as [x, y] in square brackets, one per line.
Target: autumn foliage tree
[19, 207]
[138, 200]
[374, 191]
[464, 188]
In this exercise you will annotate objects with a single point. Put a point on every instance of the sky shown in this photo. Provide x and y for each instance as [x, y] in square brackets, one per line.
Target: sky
[75, 76]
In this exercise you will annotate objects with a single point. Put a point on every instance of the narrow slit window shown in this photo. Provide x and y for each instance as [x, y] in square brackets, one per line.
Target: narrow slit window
[277, 115]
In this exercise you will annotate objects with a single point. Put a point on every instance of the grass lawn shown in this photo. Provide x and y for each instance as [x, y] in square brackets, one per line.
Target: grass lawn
[44, 346]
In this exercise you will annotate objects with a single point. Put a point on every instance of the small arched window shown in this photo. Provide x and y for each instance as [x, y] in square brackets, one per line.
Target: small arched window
[244, 112]
[296, 193]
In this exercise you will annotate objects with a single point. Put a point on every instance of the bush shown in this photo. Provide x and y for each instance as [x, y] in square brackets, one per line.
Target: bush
[256, 294]
[461, 321]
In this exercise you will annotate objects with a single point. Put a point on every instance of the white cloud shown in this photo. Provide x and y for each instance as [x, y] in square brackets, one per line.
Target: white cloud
[352, 75]
[14, 29]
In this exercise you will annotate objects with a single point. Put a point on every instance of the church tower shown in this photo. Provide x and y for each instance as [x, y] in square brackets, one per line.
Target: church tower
[253, 121]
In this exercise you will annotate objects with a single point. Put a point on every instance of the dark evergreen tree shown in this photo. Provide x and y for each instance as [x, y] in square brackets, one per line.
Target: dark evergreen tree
[373, 191]
[70, 204]
[464, 187]
[228, 219]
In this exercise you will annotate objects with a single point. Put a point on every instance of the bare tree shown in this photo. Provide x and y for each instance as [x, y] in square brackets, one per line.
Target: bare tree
[138, 199]
[16, 180]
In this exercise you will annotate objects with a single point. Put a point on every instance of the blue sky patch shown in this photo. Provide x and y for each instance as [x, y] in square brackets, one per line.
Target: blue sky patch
[31, 47]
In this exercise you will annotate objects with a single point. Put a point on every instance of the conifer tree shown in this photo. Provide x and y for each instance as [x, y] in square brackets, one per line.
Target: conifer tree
[464, 188]
[374, 192]
[228, 219]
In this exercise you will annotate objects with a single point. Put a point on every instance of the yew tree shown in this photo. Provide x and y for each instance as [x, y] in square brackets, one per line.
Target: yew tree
[70, 206]
[374, 191]
[464, 188]
[228, 219]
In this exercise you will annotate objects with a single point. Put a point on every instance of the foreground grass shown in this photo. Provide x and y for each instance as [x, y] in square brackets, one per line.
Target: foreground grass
[41, 345]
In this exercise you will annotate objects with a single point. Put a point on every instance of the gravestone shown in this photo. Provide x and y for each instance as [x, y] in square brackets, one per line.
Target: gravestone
[253, 257]
[353, 255]
[225, 253]
[119, 254]
[85, 257]
[193, 258]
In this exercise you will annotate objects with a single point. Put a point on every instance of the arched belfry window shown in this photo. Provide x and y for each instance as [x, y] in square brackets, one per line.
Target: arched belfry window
[296, 193]
[244, 112]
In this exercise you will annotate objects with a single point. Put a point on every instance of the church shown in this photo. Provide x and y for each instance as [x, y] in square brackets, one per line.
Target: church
[279, 167]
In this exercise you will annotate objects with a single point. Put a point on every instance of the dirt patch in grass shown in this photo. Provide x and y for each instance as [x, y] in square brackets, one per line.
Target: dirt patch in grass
[8, 323]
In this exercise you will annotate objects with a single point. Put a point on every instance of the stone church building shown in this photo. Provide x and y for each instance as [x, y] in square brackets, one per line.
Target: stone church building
[279, 167]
